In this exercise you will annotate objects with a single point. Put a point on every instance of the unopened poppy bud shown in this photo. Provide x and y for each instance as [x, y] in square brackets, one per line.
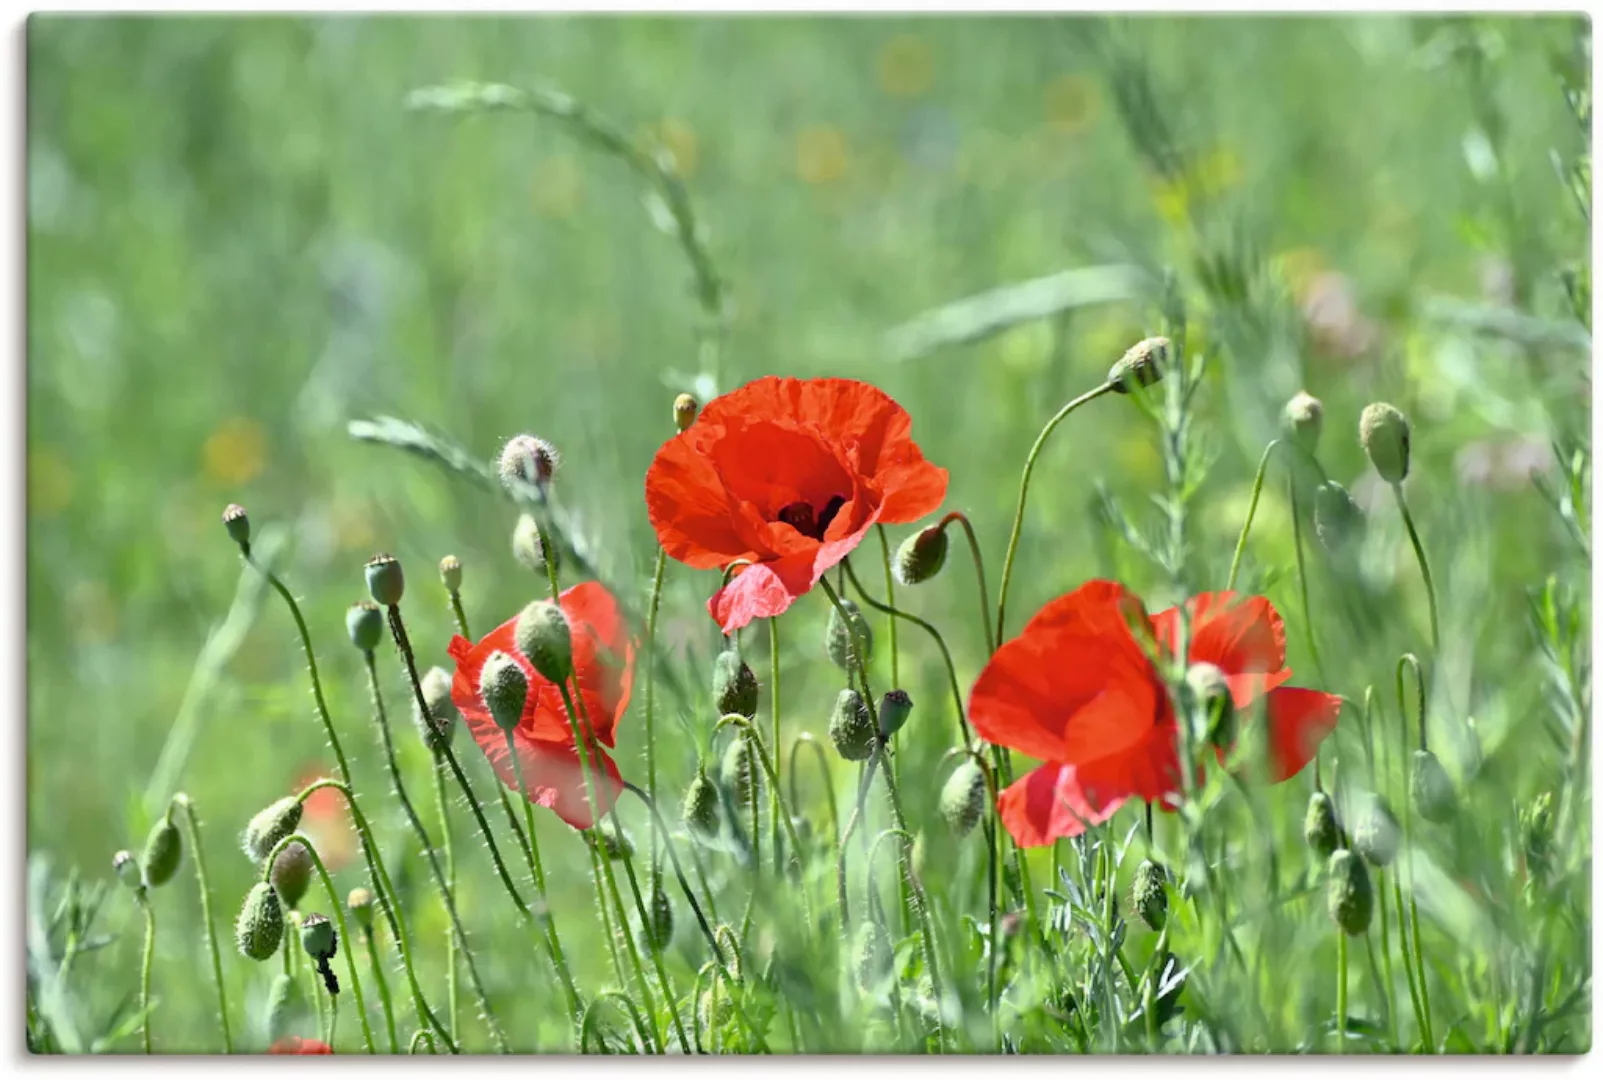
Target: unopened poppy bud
[685, 409]
[529, 547]
[270, 826]
[700, 807]
[1338, 521]
[614, 839]
[963, 798]
[1375, 833]
[529, 460]
[260, 927]
[164, 849]
[872, 957]
[438, 725]
[1319, 827]
[451, 574]
[360, 903]
[839, 638]
[851, 728]
[1383, 431]
[505, 689]
[542, 634]
[715, 1006]
[1210, 690]
[1431, 788]
[734, 687]
[237, 522]
[1303, 419]
[282, 999]
[291, 874]
[364, 622]
[894, 709]
[126, 867]
[385, 581]
[921, 555]
[1142, 365]
[1148, 895]
[739, 772]
[1348, 894]
[659, 928]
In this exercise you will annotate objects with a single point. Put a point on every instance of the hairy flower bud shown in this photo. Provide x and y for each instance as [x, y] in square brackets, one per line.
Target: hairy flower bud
[1319, 826]
[614, 839]
[659, 928]
[1430, 788]
[1375, 834]
[1348, 893]
[894, 709]
[385, 581]
[872, 958]
[451, 574]
[700, 807]
[504, 688]
[1303, 419]
[1142, 364]
[963, 798]
[270, 826]
[1338, 521]
[261, 923]
[126, 867]
[1208, 687]
[439, 724]
[283, 999]
[291, 874]
[845, 634]
[237, 522]
[527, 459]
[921, 556]
[685, 409]
[734, 687]
[851, 728]
[318, 937]
[1147, 893]
[1384, 433]
[715, 1006]
[542, 634]
[164, 849]
[529, 547]
[364, 622]
[739, 771]
[360, 904]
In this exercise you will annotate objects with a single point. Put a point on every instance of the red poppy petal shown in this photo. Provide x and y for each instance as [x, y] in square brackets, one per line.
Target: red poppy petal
[555, 779]
[1241, 635]
[762, 591]
[1096, 607]
[1299, 720]
[1048, 804]
[692, 513]
[294, 1044]
[603, 655]
[1148, 769]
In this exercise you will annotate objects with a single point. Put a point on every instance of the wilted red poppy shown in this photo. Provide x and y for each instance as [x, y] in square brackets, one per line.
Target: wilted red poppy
[786, 474]
[1076, 690]
[294, 1044]
[603, 660]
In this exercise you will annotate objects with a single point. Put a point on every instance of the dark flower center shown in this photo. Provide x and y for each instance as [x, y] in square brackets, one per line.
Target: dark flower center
[801, 516]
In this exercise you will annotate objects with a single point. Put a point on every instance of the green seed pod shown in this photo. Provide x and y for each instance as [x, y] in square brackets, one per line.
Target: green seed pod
[1430, 788]
[505, 689]
[1319, 827]
[437, 727]
[270, 826]
[1142, 364]
[1147, 894]
[872, 957]
[529, 547]
[451, 574]
[685, 409]
[527, 459]
[126, 867]
[963, 798]
[739, 771]
[839, 641]
[700, 807]
[1303, 419]
[237, 522]
[1384, 433]
[734, 687]
[659, 930]
[894, 709]
[921, 556]
[164, 849]
[542, 634]
[261, 923]
[364, 622]
[1375, 834]
[291, 874]
[385, 581]
[318, 937]
[1338, 522]
[1348, 894]
[360, 903]
[614, 840]
[283, 1001]
[851, 728]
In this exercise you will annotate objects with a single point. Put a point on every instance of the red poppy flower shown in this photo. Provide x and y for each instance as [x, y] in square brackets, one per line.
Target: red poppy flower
[786, 474]
[603, 661]
[1077, 690]
[294, 1044]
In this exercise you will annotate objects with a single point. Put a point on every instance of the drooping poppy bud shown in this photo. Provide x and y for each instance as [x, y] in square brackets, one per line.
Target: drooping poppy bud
[529, 547]
[164, 849]
[614, 840]
[1303, 419]
[1431, 788]
[451, 574]
[1143, 364]
[543, 635]
[360, 904]
[700, 807]
[716, 1006]
[963, 798]
[739, 771]
[685, 409]
[385, 581]
[1384, 433]
[439, 724]
[527, 459]
[872, 959]
[659, 928]
[318, 937]
[237, 522]
[364, 622]
[260, 927]
[894, 709]
[839, 637]
[1338, 521]
[270, 826]
[291, 874]
[734, 687]
[921, 556]
[1348, 893]
[126, 867]
[1319, 826]
[1147, 893]
[505, 689]
[1375, 834]
[851, 728]
[283, 998]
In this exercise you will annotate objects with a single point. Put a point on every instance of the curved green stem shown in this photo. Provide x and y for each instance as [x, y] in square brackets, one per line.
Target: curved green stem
[592, 1012]
[452, 1010]
[979, 575]
[655, 949]
[383, 987]
[920, 910]
[890, 599]
[1252, 512]
[750, 730]
[1302, 581]
[679, 872]
[458, 616]
[192, 826]
[417, 1037]
[1424, 567]
[630, 946]
[651, 686]
[1428, 1030]
[773, 772]
[145, 965]
[806, 739]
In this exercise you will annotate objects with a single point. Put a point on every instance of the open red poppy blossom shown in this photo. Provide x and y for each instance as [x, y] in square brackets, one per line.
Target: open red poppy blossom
[294, 1044]
[603, 661]
[787, 475]
[1078, 691]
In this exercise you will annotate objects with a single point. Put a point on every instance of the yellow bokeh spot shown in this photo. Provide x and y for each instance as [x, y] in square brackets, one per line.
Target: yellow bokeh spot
[236, 452]
[353, 526]
[1298, 267]
[1071, 104]
[1138, 458]
[50, 484]
[1171, 199]
[1208, 177]
[677, 137]
[820, 154]
[906, 66]
[558, 185]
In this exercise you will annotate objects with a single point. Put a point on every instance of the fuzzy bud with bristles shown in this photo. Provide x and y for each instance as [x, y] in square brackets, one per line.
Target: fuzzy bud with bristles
[529, 547]
[1142, 365]
[659, 927]
[921, 555]
[260, 927]
[1375, 834]
[543, 635]
[962, 800]
[1148, 895]
[439, 725]
[318, 937]
[715, 1005]
[291, 874]
[237, 522]
[360, 904]
[504, 688]
[614, 840]
[872, 958]
[851, 728]
[839, 638]
[1431, 788]
[270, 826]
[739, 771]
[451, 574]
[385, 581]
[527, 459]
[1319, 826]
[1210, 690]
[894, 709]
[1303, 419]
[685, 409]
[1384, 433]
[364, 622]
[126, 867]
[734, 687]
[1348, 893]
[283, 998]
[164, 849]
[1338, 521]
[700, 807]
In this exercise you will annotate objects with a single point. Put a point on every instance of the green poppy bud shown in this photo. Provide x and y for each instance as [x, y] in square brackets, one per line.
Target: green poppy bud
[700, 807]
[873, 959]
[921, 556]
[439, 724]
[529, 547]
[1319, 827]
[291, 874]
[894, 709]
[734, 687]
[1209, 688]
[237, 522]
[1142, 365]
[283, 1000]
[542, 634]
[739, 771]
[1148, 895]
[318, 937]
[1383, 431]
[270, 826]
[527, 459]
[839, 638]
[715, 1005]
[364, 622]
[1348, 894]
[261, 923]
[963, 798]
[451, 574]
[614, 839]
[360, 904]
[1430, 788]
[385, 581]
[1375, 834]
[164, 849]
[685, 408]
[1303, 419]
[505, 689]
[659, 929]
[1338, 521]
[126, 867]
[851, 728]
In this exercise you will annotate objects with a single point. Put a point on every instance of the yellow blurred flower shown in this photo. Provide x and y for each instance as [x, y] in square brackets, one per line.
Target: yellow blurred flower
[1207, 177]
[50, 483]
[820, 154]
[558, 184]
[236, 452]
[906, 66]
[677, 137]
[1298, 267]
[1071, 104]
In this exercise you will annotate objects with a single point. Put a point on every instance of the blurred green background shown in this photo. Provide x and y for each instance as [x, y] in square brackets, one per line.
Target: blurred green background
[239, 239]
